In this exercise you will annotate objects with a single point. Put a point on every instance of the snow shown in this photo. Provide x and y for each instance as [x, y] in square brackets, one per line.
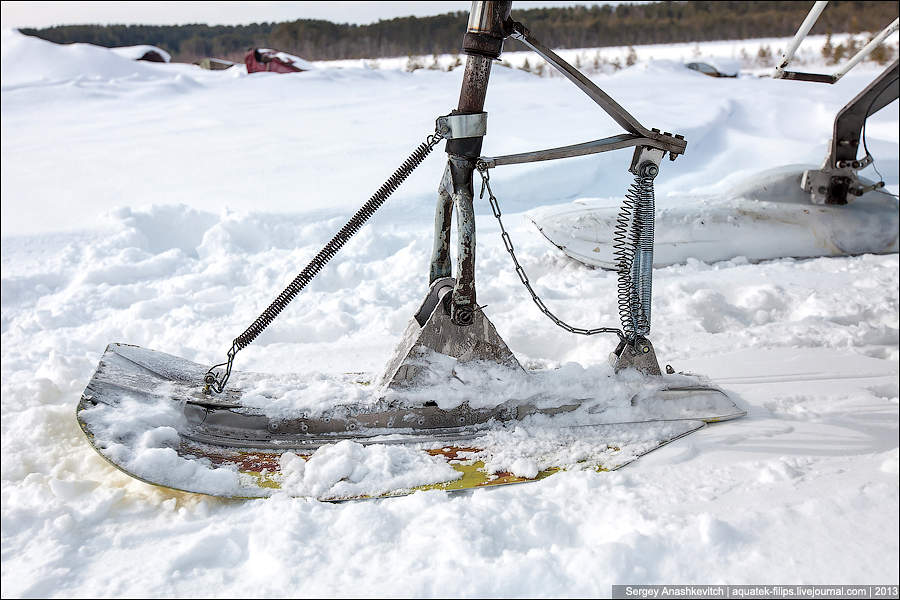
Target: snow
[31, 62]
[351, 469]
[138, 52]
[164, 205]
[153, 454]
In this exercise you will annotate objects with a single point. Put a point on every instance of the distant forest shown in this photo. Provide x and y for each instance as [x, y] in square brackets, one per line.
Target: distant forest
[571, 27]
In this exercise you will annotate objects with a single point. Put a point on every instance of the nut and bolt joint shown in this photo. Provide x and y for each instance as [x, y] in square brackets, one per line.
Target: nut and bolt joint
[648, 169]
[462, 315]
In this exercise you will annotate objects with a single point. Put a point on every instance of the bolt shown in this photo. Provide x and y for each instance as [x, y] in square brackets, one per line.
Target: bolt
[822, 189]
[648, 169]
[463, 315]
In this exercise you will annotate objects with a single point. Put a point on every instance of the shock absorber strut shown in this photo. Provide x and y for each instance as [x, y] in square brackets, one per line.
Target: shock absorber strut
[633, 251]
[483, 43]
[633, 246]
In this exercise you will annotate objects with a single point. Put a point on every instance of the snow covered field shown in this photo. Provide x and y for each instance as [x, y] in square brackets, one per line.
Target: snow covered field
[164, 206]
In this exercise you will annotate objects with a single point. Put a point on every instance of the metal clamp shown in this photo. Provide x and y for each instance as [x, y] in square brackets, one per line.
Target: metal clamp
[856, 165]
[453, 127]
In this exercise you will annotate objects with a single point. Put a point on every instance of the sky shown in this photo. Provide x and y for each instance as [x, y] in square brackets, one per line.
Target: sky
[46, 14]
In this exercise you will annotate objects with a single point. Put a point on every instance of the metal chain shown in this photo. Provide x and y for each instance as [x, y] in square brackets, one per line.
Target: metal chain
[520, 271]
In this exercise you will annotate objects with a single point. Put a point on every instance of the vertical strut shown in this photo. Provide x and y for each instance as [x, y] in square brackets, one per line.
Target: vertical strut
[443, 213]
[457, 189]
[482, 43]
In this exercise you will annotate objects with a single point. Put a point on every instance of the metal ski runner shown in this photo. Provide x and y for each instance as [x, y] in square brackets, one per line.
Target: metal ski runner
[219, 442]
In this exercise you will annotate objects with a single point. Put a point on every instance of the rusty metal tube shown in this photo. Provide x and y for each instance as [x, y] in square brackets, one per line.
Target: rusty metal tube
[483, 43]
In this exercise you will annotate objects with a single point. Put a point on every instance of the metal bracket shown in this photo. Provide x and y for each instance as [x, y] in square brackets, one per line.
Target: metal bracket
[837, 180]
[639, 356]
[644, 155]
[834, 186]
[436, 331]
[453, 127]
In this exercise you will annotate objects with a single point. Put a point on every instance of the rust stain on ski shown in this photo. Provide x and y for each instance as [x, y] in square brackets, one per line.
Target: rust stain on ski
[452, 452]
[244, 461]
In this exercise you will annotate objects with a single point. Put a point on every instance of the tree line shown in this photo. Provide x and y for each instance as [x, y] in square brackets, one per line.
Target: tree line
[568, 27]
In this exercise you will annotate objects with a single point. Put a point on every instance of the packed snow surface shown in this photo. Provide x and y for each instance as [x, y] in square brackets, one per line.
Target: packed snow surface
[165, 206]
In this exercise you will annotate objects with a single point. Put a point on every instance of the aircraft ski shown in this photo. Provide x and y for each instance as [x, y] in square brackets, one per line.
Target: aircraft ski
[145, 412]
[212, 430]
[741, 222]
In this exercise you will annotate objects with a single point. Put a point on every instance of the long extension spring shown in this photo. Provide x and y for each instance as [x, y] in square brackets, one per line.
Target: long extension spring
[216, 382]
[633, 252]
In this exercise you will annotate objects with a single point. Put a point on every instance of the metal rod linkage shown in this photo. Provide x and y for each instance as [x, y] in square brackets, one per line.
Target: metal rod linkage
[616, 142]
[808, 22]
[801, 34]
[626, 120]
[868, 48]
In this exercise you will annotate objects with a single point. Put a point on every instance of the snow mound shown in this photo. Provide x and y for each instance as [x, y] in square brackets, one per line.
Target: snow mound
[138, 52]
[726, 66]
[28, 61]
[154, 453]
[350, 469]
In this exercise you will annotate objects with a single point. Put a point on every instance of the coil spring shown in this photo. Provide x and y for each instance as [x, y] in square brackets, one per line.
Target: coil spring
[328, 252]
[633, 252]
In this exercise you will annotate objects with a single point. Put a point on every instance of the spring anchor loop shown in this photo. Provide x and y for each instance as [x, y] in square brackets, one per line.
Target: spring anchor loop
[633, 253]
